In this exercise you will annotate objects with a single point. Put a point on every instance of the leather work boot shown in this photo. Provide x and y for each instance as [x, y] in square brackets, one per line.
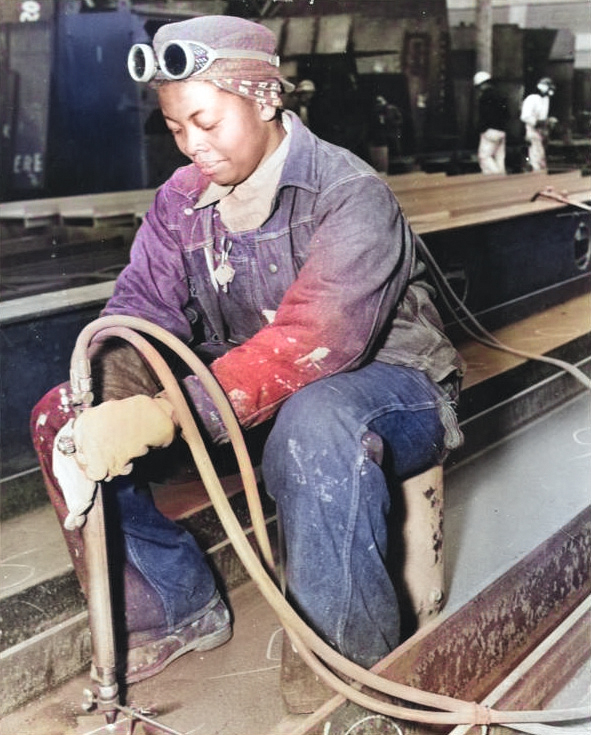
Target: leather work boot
[210, 628]
[302, 690]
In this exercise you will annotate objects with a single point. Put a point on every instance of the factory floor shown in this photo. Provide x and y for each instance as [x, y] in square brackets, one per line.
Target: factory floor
[500, 505]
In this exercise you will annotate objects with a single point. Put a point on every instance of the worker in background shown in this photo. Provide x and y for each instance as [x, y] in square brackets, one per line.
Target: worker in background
[287, 264]
[493, 118]
[384, 133]
[304, 93]
[534, 113]
[377, 135]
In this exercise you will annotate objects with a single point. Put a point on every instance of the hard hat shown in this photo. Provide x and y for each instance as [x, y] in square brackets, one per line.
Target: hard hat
[306, 85]
[546, 85]
[480, 78]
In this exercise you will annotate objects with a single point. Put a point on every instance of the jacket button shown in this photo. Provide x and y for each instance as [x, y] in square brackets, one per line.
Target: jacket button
[273, 268]
[188, 211]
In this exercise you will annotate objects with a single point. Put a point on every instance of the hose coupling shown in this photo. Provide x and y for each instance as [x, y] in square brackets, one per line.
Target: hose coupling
[66, 445]
[65, 439]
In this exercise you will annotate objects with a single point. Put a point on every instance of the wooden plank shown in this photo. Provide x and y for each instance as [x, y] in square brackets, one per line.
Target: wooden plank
[516, 185]
[495, 194]
[538, 334]
[448, 220]
[103, 206]
[183, 497]
[85, 206]
[30, 210]
[414, 180]
[538, 179]
[423, 180]
[42, 305]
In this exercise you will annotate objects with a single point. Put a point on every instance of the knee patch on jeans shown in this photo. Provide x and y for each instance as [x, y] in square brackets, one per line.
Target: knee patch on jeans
[413, 440]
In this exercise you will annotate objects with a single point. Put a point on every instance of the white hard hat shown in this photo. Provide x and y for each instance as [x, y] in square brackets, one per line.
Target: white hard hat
[480, 78]
[306, 85]
[546, 85]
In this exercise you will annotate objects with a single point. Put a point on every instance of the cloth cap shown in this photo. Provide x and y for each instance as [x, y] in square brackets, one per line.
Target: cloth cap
[481, 77]
[226, 32]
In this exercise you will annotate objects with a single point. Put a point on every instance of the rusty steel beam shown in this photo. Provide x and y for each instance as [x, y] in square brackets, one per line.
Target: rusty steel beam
[470, 652]
[547, 678]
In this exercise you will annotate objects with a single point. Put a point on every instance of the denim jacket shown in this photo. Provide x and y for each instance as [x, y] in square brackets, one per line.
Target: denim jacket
[327, 283]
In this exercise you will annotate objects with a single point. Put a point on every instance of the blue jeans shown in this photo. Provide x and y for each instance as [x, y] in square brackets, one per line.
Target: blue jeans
[333, 500]
[167, 557]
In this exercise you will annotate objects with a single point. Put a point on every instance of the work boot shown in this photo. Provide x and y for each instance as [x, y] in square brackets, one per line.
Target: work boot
[207, 629]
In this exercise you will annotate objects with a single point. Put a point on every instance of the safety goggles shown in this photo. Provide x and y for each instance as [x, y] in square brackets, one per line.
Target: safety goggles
[181, 59]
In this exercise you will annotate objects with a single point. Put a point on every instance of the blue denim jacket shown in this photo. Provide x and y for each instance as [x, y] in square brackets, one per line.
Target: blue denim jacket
[328, 282]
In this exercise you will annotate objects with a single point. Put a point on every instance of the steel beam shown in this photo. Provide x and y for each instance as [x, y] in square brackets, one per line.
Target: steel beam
[470, 652]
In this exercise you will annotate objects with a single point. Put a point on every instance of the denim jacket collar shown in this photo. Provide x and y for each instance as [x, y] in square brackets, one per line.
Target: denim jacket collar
[300, 169]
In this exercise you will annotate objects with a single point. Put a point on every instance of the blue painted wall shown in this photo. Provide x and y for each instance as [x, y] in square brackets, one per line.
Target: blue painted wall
[96, 136]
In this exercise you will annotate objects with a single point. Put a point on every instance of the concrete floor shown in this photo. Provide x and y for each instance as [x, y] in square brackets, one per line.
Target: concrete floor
[499, 506]
[33, 550]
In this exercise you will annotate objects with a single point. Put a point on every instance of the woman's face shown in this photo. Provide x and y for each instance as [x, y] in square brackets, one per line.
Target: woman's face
[225, 135]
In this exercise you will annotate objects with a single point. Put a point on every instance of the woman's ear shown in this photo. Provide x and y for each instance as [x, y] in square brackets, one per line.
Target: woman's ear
[267, 112]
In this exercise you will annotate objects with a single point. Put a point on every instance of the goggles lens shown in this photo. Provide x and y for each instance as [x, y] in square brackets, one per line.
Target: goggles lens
[141, 62]
[176, 61]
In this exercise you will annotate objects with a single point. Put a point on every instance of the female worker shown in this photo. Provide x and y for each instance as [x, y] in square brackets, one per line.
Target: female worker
[287, 262]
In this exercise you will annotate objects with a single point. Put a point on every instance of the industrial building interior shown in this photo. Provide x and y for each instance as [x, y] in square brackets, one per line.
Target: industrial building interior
[82, 152]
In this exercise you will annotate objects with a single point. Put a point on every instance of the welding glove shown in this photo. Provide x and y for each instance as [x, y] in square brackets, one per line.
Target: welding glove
[78, 490]
[107, 437]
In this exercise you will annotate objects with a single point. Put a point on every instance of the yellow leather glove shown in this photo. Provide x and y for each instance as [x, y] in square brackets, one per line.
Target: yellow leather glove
[109, 436]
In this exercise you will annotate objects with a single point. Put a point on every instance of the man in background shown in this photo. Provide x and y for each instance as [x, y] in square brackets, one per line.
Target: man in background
[304, 92]
[534, 113]
[493, 117]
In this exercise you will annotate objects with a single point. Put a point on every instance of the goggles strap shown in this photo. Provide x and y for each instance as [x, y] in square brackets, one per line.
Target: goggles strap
[230, 53]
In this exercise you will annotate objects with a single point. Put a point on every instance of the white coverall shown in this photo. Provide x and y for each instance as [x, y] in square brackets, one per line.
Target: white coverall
[534, 110]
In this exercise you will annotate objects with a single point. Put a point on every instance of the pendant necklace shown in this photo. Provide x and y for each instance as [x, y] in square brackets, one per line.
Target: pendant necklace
[224, 273]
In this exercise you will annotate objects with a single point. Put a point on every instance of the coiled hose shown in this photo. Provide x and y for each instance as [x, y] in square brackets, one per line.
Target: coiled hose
[313, 650]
